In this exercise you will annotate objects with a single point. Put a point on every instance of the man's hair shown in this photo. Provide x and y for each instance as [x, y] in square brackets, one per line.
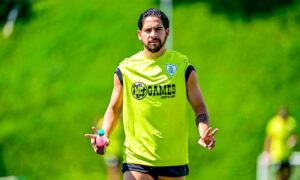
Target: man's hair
[153, 12]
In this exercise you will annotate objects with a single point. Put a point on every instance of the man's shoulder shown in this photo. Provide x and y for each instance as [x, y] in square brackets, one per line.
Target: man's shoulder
[178, 58]
[272, 123]
[292, 121]
[125, 62]
[177, 54]
[275, 120]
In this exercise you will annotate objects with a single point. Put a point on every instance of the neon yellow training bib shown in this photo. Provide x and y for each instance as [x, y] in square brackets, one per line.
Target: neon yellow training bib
[155, 109]
[280, 130]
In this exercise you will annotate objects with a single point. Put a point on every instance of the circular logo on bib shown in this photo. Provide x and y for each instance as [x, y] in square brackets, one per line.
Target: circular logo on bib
[139, 90]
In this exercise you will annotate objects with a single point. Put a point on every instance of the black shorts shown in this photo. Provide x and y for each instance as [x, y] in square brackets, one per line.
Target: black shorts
[168, 171]
[283, 165]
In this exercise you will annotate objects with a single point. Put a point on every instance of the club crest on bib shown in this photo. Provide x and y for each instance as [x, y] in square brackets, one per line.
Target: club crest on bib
[171, 69]
[139, 90]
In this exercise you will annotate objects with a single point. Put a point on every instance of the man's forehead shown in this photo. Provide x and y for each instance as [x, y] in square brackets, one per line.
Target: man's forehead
[152, 21]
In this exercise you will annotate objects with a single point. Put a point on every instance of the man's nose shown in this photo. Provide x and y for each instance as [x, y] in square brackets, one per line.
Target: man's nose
[153, 33]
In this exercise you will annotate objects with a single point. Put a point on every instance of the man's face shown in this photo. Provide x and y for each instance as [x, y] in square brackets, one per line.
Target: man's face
[153, 34]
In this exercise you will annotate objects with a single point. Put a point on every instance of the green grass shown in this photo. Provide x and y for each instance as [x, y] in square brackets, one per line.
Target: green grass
[246, 71]
[56, 75]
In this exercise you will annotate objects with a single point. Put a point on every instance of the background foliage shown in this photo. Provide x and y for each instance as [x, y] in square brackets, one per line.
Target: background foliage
[56, 77]
[244, 8]
[24, 7]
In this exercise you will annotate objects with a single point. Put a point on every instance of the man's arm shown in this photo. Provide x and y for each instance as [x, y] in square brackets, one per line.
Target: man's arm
[114, 108]
[267, 144]
[202, 119]
[266, 150]
[112, 113]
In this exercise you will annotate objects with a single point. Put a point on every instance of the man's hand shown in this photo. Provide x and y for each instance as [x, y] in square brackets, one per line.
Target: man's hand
[207, 140]
[93, 139]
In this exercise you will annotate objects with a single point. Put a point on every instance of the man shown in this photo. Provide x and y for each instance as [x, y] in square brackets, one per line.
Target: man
[153, 88]
[280, 140]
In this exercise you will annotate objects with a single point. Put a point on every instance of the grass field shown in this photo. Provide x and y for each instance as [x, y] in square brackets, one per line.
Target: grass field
[56, 75]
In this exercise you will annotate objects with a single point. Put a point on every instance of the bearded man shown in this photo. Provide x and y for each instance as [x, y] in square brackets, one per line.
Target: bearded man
[153, 87]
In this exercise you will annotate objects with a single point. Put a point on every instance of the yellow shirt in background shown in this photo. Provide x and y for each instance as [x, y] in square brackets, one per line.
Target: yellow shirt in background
[279, 130]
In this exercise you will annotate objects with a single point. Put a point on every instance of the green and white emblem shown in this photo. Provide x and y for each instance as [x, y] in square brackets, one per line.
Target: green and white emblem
[171, 69]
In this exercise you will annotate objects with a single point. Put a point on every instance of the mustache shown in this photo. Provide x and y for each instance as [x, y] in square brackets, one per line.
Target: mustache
[157, 39]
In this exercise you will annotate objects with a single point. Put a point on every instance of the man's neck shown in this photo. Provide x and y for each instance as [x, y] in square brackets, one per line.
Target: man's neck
[156, 54]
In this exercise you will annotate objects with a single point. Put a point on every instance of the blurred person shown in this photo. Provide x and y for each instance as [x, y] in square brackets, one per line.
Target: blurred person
[153, 87]
[280, 140]
[113, 155]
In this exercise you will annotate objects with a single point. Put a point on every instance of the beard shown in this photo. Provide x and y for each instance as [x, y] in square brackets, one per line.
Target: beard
[155, 49]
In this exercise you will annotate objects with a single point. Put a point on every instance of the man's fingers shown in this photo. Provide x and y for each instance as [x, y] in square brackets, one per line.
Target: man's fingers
[211, 146]
[95, 130]
[202, 143]
[93, 141]
[95, 148]
[214, 132]
[107, 142]
[207, 132]
[90, 135]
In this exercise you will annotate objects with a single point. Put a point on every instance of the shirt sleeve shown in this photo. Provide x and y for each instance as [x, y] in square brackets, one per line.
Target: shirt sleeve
[188, 71]
[188, 68]
[119, 74]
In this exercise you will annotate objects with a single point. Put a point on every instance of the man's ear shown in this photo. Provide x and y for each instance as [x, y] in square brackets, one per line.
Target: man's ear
[139, 34]
[167, 32]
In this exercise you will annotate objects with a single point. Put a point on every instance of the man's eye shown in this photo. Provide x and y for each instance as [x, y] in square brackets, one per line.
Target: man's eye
[159, 29]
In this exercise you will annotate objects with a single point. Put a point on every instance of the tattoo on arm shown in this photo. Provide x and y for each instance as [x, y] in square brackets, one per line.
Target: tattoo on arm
[202, 118]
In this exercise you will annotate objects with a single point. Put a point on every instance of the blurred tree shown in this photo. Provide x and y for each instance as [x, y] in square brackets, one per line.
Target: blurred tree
[245, 8]
[248, 8]
[7, 5]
